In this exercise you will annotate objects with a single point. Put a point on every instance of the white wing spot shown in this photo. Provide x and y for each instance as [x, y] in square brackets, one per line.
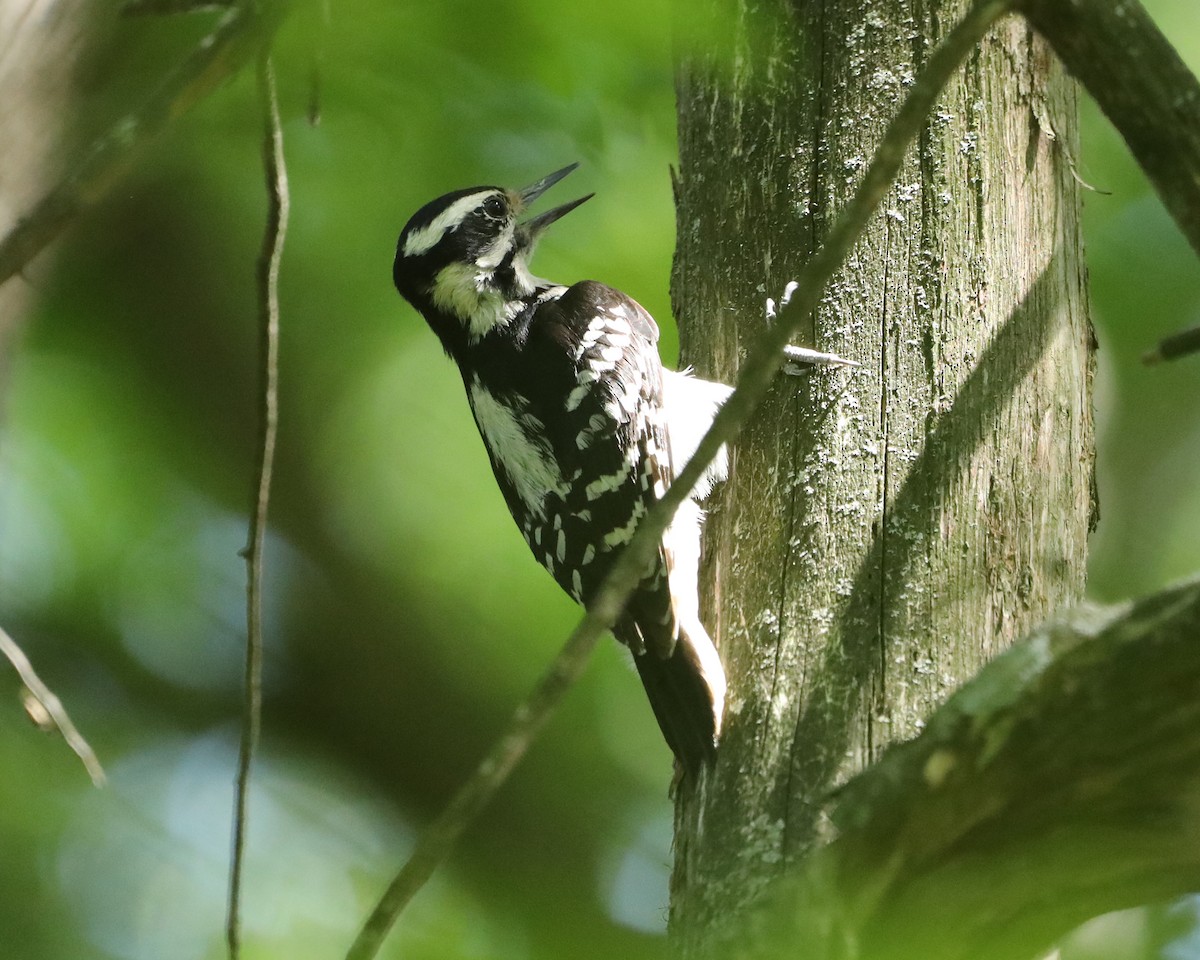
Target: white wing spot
[599, 365]
[575, 397]
[596, 423]
[629, 400]
[624, 534]
[597, 488]
[584, 379]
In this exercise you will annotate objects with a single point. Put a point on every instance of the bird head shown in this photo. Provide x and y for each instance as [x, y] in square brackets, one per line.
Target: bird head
[464, 257]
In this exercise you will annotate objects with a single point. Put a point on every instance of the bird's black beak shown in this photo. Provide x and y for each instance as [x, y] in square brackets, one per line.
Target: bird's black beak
[536, 189]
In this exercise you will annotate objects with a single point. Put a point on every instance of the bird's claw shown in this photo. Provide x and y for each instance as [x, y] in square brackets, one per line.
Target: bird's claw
[798, 360]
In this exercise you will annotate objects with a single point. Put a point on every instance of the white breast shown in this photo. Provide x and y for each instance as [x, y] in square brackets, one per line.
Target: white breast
[512, 435]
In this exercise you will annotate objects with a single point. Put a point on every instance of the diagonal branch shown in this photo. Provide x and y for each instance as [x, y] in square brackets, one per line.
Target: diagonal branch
[1141, 84]
[440, 836]
[756, 377]
[268, 294]
[235, 39]
[1181, 344]
[50, 708]
[1073, 758]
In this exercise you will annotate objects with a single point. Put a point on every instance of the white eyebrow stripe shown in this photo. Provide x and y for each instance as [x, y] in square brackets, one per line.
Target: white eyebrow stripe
[425, 238]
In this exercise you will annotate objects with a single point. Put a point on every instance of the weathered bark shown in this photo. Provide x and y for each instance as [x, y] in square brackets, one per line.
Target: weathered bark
[884, 533]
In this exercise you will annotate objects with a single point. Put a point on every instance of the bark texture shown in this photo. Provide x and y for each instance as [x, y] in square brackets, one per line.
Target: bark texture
[884, 532]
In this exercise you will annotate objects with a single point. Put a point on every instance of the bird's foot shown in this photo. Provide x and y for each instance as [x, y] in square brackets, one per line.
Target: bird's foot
[799, 360]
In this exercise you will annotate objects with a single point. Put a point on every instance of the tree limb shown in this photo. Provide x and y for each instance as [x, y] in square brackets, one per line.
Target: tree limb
[235, 39]
[1182, 344]
[1062, 782]
[1141, 84]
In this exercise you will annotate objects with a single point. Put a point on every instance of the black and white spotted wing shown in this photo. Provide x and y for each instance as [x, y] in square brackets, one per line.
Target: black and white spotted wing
[582, 426]
[606, 449]
[614, 434]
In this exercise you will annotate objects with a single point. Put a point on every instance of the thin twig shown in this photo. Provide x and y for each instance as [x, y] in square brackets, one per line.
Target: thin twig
[1173, 347]
[237, 36]
[51, 708]
[439, 838]
[755, 379]
[155, 8]
[268, 295]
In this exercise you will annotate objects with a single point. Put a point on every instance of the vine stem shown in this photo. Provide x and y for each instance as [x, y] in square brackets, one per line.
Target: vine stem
[268, 308]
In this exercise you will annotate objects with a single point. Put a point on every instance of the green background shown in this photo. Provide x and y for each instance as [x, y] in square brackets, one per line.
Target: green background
[405, 617]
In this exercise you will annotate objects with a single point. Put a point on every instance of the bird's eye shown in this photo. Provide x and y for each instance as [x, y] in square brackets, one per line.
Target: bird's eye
[495, 207]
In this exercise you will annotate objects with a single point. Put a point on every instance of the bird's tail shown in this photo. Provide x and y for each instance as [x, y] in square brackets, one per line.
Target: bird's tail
[687, 694]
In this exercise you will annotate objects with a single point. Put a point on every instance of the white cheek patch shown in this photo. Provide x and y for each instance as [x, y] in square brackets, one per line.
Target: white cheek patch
[492, 257]
[526, 282]
[458, 288]
[425, 238]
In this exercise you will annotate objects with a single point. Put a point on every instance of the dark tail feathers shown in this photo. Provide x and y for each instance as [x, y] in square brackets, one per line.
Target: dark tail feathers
[682, 703]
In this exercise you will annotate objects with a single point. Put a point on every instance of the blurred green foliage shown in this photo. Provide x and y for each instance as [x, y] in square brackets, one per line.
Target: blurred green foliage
[405, 616]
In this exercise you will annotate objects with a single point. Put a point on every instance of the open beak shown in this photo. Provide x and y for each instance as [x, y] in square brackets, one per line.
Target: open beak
[536, 189]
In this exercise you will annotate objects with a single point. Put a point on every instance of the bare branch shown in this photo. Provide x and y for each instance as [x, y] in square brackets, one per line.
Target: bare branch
[1141, 84]
[1175, 346]
[268, 294]
[149, 8]
[218, 56]
[49, 709]
[441, 835]
[755, 379]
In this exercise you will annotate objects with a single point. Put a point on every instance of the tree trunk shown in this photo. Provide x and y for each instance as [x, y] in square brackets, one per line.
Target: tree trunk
[38, 43]
[885, 531]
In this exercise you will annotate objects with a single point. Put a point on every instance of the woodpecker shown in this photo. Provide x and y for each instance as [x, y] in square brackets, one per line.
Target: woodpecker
[584, 427]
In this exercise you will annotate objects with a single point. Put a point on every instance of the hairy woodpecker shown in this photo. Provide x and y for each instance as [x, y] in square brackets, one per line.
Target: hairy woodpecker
[584, 428]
